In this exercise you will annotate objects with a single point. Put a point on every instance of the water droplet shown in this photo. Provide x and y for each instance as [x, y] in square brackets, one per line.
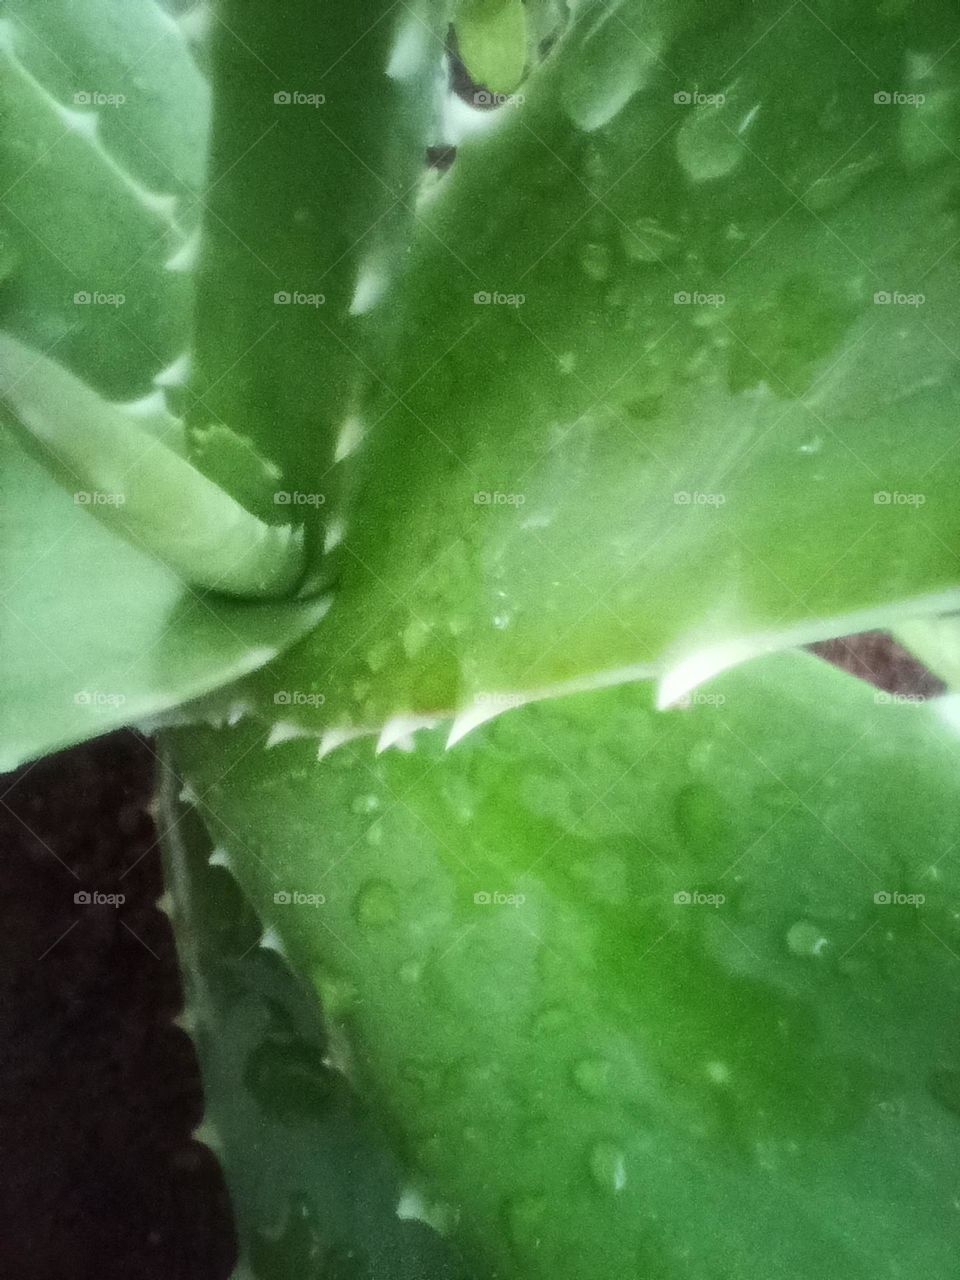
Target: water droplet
[410, 973]
[607, 71]
[718, 1072]
[337, 994]
[806, 939]
[833, 188]
[595, 260]
[813, 445]
[368, 803]
[710, 142]
[567, 362]
[701, 754]
[647, 240]
[376, 905]
[608, 1166]
[415, 636]
[592, 1076]
[378, 656]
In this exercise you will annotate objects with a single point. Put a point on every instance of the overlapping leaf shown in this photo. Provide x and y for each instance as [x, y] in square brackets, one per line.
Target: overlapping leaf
[102, 152]
[314, 1187]
[679, 380]
[95, 633]
[657, 994]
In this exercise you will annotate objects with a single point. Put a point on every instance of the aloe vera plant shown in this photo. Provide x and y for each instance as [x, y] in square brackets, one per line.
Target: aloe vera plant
[544, 911]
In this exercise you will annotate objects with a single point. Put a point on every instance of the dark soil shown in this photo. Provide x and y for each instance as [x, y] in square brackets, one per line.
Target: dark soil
[99, 1092]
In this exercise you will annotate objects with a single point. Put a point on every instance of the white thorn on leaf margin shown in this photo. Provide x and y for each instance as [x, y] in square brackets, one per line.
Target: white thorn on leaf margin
[399, 731]
[284, 731]
[334, 535]
[349, 439]
[334, 738]
[187, 256]
[476, 714]
[270, 941]
[175, 374]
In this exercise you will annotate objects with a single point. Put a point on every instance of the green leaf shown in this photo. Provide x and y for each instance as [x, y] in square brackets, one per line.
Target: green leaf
[649, 418]
[145, 490]
[323, 117]
[492, 41]
[318, 1186]
[96, 634]
[936, 642]
[642, 994]
[103, 119]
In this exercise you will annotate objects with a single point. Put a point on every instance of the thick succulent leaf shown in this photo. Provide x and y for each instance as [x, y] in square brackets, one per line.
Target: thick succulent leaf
[324, 114]
[661, 994]
[317, 1187]
[96, 634]
[680, 374]
[102, 147]
[144, 489]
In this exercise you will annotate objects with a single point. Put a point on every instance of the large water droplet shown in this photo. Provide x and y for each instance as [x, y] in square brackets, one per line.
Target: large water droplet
[592, 1076]
[410, 973]
[711, 142]
[608, 1166]
[806, 939]
[609, 69]
[647, 240]
[337, 993]
[367, 803]
[595, 260]
[415, 636]
[376, 905]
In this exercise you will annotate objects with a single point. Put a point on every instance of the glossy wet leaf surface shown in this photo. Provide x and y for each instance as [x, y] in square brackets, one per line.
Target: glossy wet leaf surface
[314, 1186]
[663, 994]
[102, 154]
[679, 378]
[96, 634]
